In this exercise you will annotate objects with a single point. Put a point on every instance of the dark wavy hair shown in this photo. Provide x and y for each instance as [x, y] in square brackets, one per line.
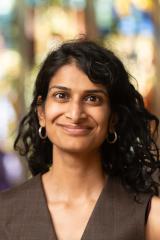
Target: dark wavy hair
[134, 158]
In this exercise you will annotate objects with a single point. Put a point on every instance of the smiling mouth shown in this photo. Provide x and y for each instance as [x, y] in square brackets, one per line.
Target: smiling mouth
[75, 130]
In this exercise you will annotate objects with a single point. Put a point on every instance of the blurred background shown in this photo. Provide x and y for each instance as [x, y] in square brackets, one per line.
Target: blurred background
[31, 28]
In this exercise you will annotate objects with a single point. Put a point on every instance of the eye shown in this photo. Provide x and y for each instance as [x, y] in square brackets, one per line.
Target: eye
[93, 99]
[61, 96]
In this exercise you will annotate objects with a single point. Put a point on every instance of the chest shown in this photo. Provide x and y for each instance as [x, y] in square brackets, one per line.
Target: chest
[70, 222]
[114, 217]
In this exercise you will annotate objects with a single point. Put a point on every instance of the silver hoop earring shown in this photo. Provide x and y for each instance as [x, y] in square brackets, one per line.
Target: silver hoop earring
[42, 132]
[112, 137]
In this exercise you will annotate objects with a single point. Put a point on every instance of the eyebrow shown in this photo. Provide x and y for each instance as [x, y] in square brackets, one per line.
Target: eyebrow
[86, 91]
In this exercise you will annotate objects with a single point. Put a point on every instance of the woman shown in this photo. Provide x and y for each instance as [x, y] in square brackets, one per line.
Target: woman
[94, 128]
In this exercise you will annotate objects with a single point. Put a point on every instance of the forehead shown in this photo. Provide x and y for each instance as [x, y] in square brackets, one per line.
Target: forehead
[72, 77]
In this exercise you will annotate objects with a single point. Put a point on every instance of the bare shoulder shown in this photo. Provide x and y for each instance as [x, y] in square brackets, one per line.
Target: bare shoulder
[153, 223]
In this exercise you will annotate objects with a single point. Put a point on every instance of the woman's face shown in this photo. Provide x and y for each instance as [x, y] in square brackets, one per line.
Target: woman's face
[76, 112]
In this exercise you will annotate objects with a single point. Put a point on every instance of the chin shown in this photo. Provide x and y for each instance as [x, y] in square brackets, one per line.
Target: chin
[75, 148]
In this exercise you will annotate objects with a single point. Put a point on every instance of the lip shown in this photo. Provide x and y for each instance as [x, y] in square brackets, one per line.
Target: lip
[75, 130]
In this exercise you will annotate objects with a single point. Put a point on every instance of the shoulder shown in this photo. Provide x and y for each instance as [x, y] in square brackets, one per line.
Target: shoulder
[20, 190]
[14, 199]
[153, 223]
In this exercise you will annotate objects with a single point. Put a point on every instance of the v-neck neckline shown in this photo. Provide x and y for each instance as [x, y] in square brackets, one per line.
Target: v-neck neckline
[92, 215]
[94, 211]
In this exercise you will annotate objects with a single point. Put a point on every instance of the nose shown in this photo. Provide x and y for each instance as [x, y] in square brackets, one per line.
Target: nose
[75, 112]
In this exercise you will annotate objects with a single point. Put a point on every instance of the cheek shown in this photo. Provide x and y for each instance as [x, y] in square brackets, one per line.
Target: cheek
[52, 112]
[102, 118]
[103, 124]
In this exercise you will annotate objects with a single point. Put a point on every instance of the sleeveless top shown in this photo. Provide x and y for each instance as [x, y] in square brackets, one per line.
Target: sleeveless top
[24, 214]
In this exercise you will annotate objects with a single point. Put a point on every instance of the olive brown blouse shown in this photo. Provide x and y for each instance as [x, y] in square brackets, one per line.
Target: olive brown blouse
[24, 214]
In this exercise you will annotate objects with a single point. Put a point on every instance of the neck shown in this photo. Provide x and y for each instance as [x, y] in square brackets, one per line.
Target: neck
[75, 175]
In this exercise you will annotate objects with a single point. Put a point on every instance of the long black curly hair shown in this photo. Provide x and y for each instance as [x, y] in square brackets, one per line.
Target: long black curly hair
[134, 157]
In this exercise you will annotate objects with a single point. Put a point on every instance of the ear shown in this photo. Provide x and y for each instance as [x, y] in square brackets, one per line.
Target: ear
[113, 122]
[40, 112]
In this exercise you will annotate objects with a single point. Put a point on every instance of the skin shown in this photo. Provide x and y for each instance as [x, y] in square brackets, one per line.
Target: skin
[153, 223]
[77, 118]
